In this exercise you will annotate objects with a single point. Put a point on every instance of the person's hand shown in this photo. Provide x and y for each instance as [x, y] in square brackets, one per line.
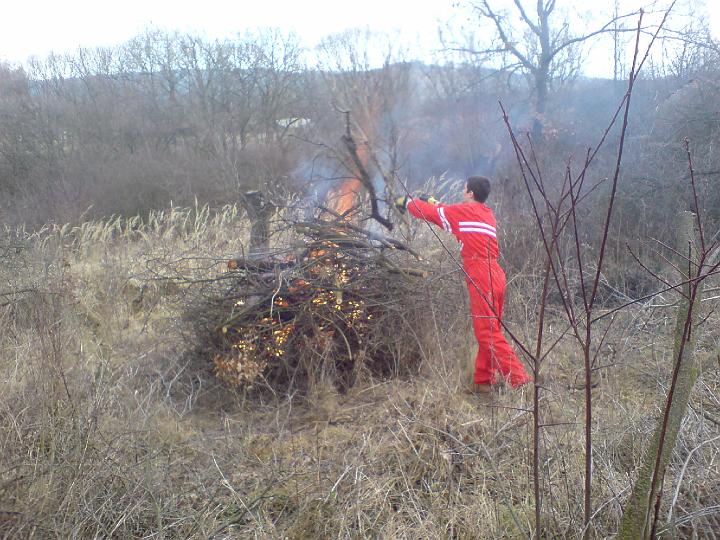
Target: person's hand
[428, 199]
[401, 203]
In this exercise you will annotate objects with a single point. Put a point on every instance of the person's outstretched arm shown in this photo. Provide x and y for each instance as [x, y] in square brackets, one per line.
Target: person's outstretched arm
[433, 213]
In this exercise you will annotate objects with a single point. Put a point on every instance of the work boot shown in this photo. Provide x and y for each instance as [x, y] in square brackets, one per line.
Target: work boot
[482, 389]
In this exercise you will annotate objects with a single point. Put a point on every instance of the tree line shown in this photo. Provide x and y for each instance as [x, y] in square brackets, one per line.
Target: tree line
[169, 117]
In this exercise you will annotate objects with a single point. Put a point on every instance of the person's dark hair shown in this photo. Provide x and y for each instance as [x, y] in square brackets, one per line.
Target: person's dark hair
[480, 187]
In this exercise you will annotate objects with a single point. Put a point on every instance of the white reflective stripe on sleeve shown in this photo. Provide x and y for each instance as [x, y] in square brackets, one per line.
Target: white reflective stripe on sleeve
[477, 224]
[445, 222]
[478, 230]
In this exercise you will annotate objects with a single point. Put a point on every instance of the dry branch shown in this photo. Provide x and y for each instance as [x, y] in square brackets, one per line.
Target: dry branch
[337, 304]
[365, 179]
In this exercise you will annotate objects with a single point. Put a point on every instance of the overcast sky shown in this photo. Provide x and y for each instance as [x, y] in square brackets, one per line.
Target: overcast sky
[36, 27]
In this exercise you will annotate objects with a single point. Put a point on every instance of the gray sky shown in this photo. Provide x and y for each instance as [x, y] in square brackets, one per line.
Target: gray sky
[36, 27]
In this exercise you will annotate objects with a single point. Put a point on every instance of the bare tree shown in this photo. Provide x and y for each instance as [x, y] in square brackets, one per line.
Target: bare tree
[543, 46]
[16, 133]
[553, 220]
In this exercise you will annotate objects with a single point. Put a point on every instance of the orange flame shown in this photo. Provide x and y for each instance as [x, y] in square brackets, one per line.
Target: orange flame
[344, 197]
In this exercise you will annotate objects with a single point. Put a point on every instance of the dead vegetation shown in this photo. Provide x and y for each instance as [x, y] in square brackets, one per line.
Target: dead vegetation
[332, 301]
[108, 431]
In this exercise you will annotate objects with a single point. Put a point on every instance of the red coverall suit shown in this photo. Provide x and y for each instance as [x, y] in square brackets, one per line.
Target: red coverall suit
[473, 224]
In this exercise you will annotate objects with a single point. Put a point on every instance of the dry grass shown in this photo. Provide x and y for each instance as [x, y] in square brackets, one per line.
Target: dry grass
[107, 431]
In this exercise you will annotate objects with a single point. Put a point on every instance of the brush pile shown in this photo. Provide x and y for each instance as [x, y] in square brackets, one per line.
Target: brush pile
[339, 301]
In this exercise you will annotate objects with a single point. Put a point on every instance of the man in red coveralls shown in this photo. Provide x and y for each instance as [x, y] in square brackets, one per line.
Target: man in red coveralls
[473, 224]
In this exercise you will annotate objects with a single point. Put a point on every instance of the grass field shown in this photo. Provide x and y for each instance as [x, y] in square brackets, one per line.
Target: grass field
[109, 428]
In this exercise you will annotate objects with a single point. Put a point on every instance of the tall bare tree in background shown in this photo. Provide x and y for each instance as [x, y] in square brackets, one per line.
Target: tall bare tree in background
[242, 95]
[542, 45]
[162, 117]
[16, 134]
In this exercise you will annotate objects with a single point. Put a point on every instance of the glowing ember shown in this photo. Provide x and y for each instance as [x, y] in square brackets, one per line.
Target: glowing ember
[336, 308]
[254, 347]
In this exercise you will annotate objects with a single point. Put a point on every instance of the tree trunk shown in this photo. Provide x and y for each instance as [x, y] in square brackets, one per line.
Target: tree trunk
[541, 95]
[259, 211]
[638, 517]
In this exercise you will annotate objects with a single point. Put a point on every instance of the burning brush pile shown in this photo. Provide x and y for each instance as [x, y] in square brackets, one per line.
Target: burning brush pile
[341, 302]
